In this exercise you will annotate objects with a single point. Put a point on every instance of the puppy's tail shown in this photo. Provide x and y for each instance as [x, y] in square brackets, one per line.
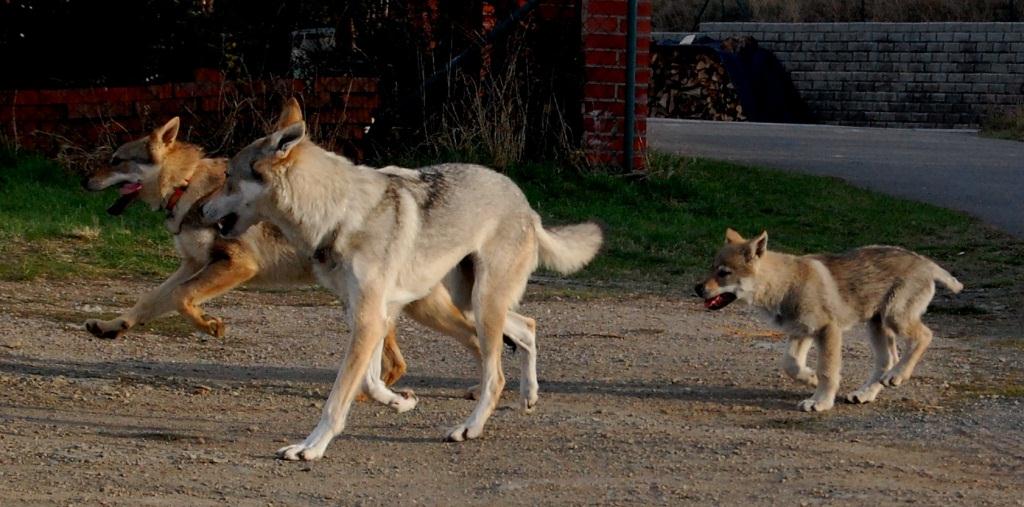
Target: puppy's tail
[568, 248]
[942, 276]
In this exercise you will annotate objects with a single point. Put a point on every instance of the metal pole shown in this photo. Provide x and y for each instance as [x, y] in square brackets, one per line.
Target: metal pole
[630, 137]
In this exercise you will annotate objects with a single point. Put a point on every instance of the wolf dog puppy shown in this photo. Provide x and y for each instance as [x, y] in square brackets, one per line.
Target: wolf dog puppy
[383, 238]
[175, 177]
[817, 297]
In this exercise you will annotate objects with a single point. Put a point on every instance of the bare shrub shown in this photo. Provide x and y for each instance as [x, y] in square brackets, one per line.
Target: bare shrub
[496, 120]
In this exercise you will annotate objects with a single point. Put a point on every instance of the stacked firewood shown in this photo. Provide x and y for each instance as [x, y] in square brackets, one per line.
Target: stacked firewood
[690, 83]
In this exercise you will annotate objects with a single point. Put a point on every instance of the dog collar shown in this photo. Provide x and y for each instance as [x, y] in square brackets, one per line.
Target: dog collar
[172, 201]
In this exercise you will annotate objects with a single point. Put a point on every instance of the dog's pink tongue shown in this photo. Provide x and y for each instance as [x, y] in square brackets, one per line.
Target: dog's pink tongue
[713, 302]
[720, 301]
[130, 188]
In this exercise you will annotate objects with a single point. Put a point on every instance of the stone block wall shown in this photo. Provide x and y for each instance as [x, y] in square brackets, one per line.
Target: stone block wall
[934, 75]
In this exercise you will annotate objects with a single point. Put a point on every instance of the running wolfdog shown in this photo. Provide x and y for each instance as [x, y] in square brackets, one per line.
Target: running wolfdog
[817, 297]
[384, 238]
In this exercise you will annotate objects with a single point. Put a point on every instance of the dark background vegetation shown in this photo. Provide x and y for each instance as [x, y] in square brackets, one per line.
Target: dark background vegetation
[406, 44]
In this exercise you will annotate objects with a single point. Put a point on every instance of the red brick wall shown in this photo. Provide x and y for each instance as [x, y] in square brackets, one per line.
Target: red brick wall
[342, 106]
[604, 93]
[86, 116]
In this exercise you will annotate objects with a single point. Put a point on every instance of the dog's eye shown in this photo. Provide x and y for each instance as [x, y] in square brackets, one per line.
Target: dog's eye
[115, 160]
[722, 273]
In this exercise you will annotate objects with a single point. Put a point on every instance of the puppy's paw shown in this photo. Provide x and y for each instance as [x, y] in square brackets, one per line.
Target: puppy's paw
[406, 402]
[473, 393]
[299, 452]
[463, 432]
[107, 329]
[893, 378]
[814, 405]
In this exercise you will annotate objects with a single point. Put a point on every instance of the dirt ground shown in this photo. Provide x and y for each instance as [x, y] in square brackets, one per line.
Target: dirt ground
[645, 399]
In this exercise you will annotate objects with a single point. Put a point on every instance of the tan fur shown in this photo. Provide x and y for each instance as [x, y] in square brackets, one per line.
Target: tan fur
[817, 297]
[211, 265]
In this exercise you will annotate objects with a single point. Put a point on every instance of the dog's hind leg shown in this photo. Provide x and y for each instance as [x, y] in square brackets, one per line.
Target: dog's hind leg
[490, 307]
[223, 273]
[882, 343]
[150, 306]
[437, 311]
[502, 269]
[830, 362]
[918, 337]
[794, 362]
[368, 329]
[908, 323]
[522, 331]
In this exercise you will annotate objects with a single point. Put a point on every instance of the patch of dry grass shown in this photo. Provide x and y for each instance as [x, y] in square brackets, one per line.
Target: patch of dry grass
[1005, 124]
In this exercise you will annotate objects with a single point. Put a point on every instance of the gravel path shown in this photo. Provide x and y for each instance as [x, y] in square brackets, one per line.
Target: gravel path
[644, 400]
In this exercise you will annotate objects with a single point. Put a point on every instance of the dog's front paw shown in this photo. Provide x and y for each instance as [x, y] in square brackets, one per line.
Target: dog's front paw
[299, 452]
[893, 378]
[107, 329]
[463, 432]
[804, 375]
[473, 393]
[406, 401]
[865, 394]
[214, 326]
[528, 403]
[809, 380]
[814, 405]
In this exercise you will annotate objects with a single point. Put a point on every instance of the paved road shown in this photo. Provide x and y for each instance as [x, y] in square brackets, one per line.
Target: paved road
[953, 169]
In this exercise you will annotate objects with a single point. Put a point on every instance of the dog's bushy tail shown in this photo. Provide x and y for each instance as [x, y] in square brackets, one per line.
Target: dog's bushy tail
[942, 276]
[568, 248]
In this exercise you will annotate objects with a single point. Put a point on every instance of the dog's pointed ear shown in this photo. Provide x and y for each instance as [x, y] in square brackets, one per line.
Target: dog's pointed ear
[168, 132]
[732, 237]
[282, 141]
[291, 112]
[759, 245]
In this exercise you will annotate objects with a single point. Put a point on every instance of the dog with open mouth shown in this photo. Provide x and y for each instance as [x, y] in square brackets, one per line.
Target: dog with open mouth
[175, 177]
[383, 237]
[818, 297]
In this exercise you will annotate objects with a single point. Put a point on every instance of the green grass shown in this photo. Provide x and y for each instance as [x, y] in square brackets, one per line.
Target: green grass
[661, 230]
[51, 227]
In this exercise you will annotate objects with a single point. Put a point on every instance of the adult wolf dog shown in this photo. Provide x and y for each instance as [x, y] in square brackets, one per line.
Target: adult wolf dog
[175, 177]
[384, 238]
